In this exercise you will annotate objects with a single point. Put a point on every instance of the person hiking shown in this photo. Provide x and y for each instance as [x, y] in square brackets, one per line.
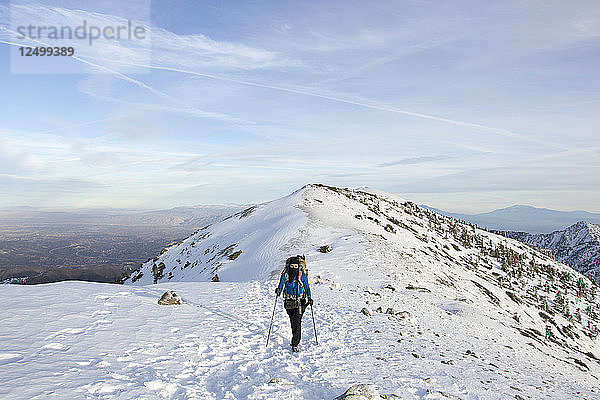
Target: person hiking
[296, 294]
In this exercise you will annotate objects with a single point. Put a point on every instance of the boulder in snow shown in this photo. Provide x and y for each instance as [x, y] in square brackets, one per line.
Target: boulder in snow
[366, 311]
[280, 381]
[404, 314]
[325, 249]
[170, 298]
[360, 392]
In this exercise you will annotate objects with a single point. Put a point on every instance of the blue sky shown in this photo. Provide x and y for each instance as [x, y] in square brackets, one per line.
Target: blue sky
[463, 105]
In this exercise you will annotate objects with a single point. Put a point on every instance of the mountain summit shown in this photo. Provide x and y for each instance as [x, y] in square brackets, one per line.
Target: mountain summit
[254, 243]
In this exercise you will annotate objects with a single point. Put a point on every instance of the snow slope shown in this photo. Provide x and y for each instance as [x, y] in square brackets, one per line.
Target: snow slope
[254, 243]
[578, 246]
[472, 315]
[101, 341]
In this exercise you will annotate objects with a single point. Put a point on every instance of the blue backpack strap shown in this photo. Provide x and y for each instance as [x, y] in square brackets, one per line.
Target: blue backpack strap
[306, 287]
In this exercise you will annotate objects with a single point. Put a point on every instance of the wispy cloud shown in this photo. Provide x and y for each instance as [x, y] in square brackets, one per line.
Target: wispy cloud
[193, 54]
[114, 58]
[197, 54]
[415, 160]
[505, 179]
[15, 159]
[200, 51]
[193, 50]
[45, 186]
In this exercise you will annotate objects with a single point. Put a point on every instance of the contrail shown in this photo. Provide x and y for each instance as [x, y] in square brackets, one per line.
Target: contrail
[363, 104]
[218, 116]
[378, 107]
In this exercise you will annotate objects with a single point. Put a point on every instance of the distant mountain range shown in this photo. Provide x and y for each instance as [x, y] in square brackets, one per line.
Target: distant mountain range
[522, 218]
[177, 216]
[577, 246]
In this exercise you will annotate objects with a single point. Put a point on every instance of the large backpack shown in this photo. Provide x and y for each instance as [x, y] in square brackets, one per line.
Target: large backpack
[301, 262]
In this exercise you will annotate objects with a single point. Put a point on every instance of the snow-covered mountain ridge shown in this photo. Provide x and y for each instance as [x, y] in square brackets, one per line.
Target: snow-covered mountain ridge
[417, 304]
[381, 241]
[578, 246]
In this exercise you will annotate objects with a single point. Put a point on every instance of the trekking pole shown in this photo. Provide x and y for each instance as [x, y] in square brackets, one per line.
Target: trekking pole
[314, 325]
[271, 324]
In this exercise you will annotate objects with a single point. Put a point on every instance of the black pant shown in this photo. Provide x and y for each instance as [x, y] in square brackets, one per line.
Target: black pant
[296, 321]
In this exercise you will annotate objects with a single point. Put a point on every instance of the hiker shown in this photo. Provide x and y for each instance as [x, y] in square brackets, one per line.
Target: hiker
[296, 295]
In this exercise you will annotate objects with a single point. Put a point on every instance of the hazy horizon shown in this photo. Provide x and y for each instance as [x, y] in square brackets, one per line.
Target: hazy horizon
[125, 209]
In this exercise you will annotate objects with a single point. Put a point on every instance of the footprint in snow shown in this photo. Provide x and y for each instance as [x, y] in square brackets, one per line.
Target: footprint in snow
[55, 347]
[71, 331]
[103, 388]
[7, 358]
[64, 333]
[103, 322]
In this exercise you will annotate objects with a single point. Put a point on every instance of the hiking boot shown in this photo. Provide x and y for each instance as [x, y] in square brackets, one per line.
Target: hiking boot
[295, 349]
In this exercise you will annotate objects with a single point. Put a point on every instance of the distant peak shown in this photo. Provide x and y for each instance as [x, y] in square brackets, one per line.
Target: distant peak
[582, 225]
[522, 207]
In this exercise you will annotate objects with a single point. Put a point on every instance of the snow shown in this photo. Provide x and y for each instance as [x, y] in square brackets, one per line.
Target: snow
[213, 347]
[453, 333]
